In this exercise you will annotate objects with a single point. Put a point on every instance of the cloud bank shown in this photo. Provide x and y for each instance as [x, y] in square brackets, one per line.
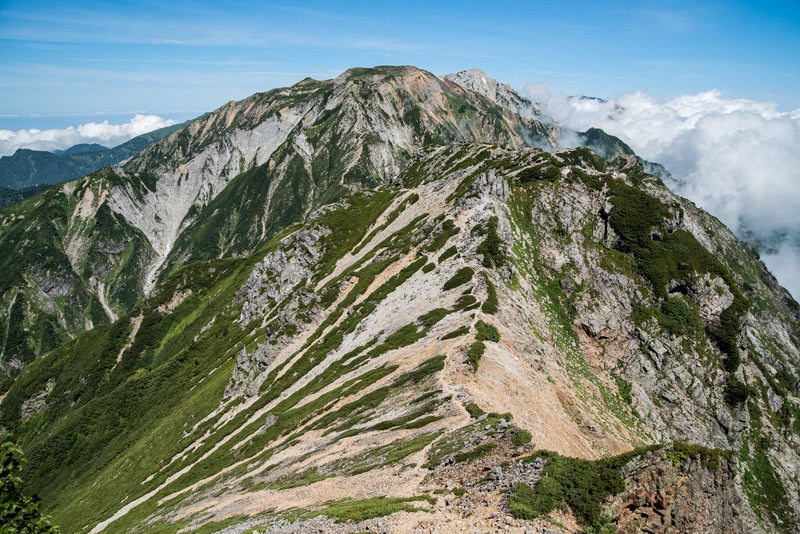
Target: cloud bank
[738, 159]
[103, 133]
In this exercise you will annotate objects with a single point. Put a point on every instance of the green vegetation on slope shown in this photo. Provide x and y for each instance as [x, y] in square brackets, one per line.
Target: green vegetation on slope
[12, 196]
[486, 332]
[18, 512]
[129, 397]
[475, 353]
[584, 485]
[490, 306]
[359, 510]
[764, 489]
[662, 256]
[54, 292]
[491, 247]
[461, 277]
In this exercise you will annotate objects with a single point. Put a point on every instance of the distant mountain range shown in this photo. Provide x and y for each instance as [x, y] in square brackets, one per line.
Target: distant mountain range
[26, 172]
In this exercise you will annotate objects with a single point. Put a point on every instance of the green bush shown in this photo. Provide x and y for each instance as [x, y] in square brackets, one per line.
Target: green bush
[474, 410]
[525, 503]
[466, 302]
[460, 331]
[432, 317]
[490, 306]
[582, 485]
[710, 458]
[18, 512]
[583, 156]
[474, 354]
[486, 332]
[679, 317]
[736, 392]
[786, 379]
[491, 247]
[548, 173]
[461, 277]
[452, 251]
[624, 388]
[521, 437]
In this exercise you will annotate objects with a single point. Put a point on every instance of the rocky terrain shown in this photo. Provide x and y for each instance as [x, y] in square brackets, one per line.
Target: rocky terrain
[221, 187]
[471, 334]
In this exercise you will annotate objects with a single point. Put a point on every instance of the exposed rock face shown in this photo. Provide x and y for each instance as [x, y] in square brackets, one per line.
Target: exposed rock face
[369, 139]
[540, 129]
[710, 293]
[665, 492]
[37, 401]
[478, 81]
[279, 273]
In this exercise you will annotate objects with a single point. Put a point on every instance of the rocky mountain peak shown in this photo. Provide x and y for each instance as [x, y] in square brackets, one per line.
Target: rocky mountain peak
[503, 94]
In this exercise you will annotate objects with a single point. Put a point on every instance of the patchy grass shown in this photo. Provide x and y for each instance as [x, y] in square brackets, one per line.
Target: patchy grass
[475, 353]
[486, 332]
[710, 458]
[473, 454]
[521, 437]
[624, 388]
[764, 489]
[490, 306]
[447, 229]
[362, 462]
[359, 510]
[453, 443]
[461, 277]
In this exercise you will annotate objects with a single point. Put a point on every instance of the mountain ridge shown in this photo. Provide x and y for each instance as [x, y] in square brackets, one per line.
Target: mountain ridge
[406, 355]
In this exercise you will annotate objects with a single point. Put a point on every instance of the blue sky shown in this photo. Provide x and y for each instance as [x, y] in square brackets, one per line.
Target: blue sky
[61, 62]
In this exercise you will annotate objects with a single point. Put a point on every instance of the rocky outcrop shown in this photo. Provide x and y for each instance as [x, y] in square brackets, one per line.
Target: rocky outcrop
[37, 401]
[669, 491]
[280, 272]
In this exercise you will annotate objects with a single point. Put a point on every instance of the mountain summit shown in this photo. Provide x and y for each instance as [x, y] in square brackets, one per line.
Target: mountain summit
[376, 303]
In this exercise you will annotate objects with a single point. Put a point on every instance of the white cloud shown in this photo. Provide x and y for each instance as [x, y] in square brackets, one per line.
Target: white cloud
[103, 133]
[739, 159]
